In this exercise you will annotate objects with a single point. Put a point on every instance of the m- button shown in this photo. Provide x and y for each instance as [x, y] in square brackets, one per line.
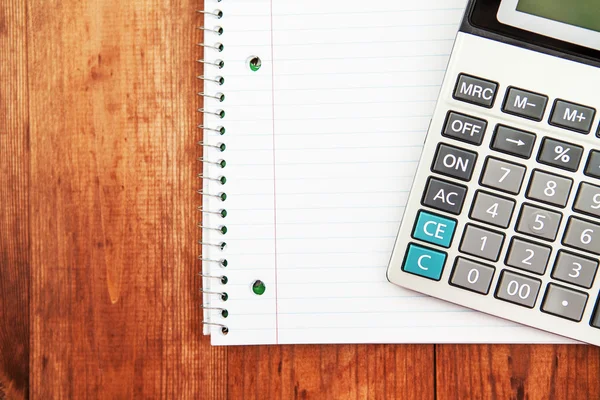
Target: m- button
[475, 91]
[525, 104]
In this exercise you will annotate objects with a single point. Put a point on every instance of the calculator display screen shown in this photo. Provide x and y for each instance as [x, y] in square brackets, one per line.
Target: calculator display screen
[573, 21]
[581, 13]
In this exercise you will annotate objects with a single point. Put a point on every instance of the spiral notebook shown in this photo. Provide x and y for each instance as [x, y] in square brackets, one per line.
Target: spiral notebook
[314, 115]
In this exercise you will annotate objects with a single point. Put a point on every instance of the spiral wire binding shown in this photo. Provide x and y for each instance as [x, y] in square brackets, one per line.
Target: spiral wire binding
[219, 163]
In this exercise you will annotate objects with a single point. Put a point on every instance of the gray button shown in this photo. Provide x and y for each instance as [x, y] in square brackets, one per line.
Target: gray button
[560, 154]
[473, 276]
[518, 289]
[588, 199]
[513, 141]
[444, 196]
[528, 256]
[465, 128]
[575, 269]
[593, 165]
[492, 209]
[595, 322]
[583, 235]
[503, 175]
[549, 188]
[475, 90]
[454, 162]
[482, 243]
[563, 302]
[525, 104]
[539, 222]
[572, 116]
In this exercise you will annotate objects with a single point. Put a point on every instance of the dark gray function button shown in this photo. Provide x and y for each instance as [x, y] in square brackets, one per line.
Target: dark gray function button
[444, 196]
[564, 302]
[593, 165]
[472, 275]
[475, 91]
[539, 222]
[572, 116]
[525, 104]
[502, 175]
[455, 162]
[518, 289]
[549, 188]
[588, 199]
[513, 141]
[493, 210]
[583, 235]
[528, 256]
[575, 269]
[560, 154]
[465, 128]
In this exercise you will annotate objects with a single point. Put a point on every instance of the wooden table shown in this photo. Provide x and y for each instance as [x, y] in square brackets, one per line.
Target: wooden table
[98, 272]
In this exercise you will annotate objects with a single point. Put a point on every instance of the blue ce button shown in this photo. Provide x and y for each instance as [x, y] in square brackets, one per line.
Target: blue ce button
[424, 262]
[434, 229]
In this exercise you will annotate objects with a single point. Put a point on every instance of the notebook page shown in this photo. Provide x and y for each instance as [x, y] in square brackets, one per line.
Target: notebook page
[322, 144]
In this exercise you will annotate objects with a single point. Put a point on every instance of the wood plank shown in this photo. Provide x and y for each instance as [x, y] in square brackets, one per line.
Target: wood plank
[115, 302]
[517, 372]
[331, 372]
[14, 218]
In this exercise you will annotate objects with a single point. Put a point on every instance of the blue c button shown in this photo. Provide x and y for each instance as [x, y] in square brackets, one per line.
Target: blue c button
[434, 229]
[424, 262]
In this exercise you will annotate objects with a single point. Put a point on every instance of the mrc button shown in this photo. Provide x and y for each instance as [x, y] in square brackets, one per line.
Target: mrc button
[475, 91]
[465, 128]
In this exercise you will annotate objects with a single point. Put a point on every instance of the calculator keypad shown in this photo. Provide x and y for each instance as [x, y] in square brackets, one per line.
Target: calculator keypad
[528, 256]
[583, 235]
[472, 275]
[525, 104]
[455, 162]
[465, 128]
[549, 188]
[518, 289]
[572, 116]
[560, 154]
[444, 196]
[482, 243]
[539, 222]
[575, 269]
[513, 141]
[508, 208]
[494, 210]
[502, 175]
[564, 302]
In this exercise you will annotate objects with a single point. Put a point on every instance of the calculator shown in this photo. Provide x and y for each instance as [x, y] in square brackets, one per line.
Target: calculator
[504, 212]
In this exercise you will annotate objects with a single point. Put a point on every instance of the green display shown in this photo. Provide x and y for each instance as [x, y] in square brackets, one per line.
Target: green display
[581, 13]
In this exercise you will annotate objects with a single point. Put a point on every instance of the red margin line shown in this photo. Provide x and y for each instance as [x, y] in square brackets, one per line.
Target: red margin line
[274, 179]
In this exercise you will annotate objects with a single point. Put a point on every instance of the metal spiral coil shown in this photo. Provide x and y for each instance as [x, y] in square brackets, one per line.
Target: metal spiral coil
[208, 81]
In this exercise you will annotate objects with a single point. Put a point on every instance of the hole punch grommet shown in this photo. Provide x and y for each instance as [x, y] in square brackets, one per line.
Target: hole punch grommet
[218, 14]
[258, 287]
[254, 63]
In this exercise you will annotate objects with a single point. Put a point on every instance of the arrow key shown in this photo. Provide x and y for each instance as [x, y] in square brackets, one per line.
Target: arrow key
[513, 141]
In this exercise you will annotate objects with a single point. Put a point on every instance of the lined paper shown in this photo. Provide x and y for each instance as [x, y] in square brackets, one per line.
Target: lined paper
[322, 144]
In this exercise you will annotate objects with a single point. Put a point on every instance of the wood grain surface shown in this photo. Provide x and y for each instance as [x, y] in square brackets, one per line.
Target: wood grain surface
[98, 273]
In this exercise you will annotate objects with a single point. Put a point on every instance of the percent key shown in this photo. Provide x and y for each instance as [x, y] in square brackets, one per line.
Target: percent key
[560, 154]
